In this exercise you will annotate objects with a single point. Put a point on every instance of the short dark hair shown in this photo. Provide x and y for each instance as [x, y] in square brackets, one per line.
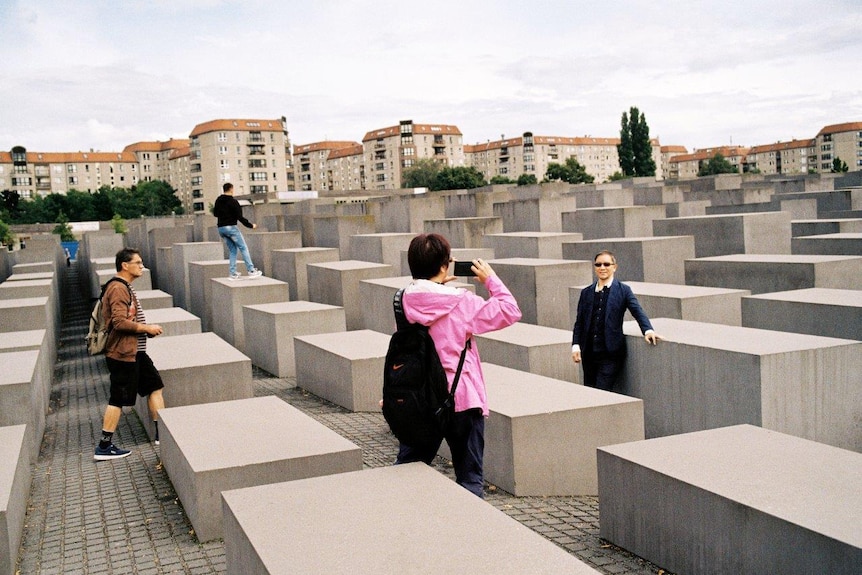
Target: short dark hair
[606, 253]
[427, 254]
[125, 255]
[226, 187]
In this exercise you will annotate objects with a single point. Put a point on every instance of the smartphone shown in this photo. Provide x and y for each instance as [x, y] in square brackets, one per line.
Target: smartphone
[463, 269]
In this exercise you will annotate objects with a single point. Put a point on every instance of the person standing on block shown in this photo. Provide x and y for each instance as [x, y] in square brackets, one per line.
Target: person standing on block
[131, 369]
[228, 212]
[598, 342]
[453, 316]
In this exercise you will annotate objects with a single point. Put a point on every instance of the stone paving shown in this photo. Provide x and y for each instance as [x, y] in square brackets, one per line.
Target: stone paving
[123, 516]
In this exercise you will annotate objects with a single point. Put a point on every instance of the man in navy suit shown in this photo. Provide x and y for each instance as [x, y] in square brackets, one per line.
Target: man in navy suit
[597, 338]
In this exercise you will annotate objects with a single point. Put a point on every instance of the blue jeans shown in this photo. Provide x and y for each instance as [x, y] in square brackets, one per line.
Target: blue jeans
[234, 240]
[466, 439]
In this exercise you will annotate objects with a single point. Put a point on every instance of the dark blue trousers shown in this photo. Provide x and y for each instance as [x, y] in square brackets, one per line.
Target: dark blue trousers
[466, 439]
[602, 369]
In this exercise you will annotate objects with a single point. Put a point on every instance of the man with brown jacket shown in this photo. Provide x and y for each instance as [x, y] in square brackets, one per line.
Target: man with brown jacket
[132, 371]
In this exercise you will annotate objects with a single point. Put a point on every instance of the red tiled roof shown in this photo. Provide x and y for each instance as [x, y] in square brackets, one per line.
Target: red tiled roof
[171, 144]
[707, 153]
[436, 129]
[325, 145]
[355, 150]
[778, 146]
[838, 128]
[238, 125]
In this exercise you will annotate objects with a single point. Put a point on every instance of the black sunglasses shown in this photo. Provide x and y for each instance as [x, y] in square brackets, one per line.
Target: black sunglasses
[603, 264]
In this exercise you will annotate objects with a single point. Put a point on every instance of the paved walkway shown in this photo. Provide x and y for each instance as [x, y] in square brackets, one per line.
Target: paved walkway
[121, 517]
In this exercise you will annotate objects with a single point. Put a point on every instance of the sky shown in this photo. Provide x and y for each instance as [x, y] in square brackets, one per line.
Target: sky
[102, 74]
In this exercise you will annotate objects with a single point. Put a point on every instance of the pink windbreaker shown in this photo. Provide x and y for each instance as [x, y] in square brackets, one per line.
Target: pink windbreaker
[453, 315]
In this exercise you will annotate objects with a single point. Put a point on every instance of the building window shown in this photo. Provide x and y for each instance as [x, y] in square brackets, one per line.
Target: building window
[71, 168]
[73, 180]
[224, 164]
[257, 176]
[222, 137]
[222, 150]
[198, 206]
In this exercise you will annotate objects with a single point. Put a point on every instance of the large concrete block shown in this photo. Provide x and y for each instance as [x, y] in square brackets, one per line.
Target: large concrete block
[534, 214]
[735, 500]
[532, 348]
[693, 303]
[289, 267]
[228, 298]
[344, 368]
[465, 232]
[158, 239]
[816, 227]
[382, 248]
[21, 397]
[27, 312]
[335, 231]
[772, 273]
[206, 450]
[174, 321]
[154, 299]
[618, 222]
[709, 375]
[541, 287]
[847, 243]
[372, 522]
[34, 267]
[197, 368]
[200, 287]
[271, 327]
[657, 260]
[337, 283]
[458, 254]
[14, 490]
[542, 434]
[262, 244]
[164, 261]
[408, 213]
[183, 254]
[548, 245]
[816, 311]
[763, 233]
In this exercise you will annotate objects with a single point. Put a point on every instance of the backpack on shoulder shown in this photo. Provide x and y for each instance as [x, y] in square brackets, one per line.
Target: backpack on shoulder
[97, 334]
[417, 402]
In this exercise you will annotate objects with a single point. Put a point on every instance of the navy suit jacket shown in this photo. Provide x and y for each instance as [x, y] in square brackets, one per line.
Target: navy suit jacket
[620, 299]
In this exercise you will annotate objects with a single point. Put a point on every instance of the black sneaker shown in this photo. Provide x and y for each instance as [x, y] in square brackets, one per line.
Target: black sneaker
[110, 452]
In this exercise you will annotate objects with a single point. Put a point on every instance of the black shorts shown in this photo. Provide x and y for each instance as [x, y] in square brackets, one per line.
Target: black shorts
[130, 377]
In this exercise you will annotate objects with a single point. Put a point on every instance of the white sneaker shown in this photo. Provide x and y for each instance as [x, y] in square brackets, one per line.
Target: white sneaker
[234, 276]
[254, 274]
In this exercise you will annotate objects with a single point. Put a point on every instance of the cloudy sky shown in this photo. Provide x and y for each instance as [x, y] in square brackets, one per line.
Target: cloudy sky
[102, 74]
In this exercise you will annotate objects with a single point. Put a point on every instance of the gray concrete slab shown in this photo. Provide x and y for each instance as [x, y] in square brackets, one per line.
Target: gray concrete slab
[465, 232]
[271, 327]
[534, 214]
[381, 248]
[262, 244]
[337, 283]
[344, 368]
[25, 313]
[773, 273]
[205, 450]
[529, 244]
[335, 231]
[289, 266]
[14, 488]
[542, 434]
[22, 400]
[761, 233]
[174, 320]
[846, 243]
[709, 375]
[228, 298]
[734, 500]
[816, 311]
[154, 299]
[614, 222]
[816, 227]
[182, 255]
[200, 287]
[301, 527]
[649, 259]
[536, 349]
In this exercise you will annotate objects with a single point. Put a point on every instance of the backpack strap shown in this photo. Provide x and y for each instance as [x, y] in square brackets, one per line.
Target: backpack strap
[450, 399]
[398, 309]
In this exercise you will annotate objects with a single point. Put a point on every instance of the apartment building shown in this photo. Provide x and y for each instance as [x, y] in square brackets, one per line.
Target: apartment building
[842, 141]
[312, 165]
[167, 161]
[388, 151]
[668, 152]
[254, 155]
[42, 173]
[346, 169]
[688, 165]
[794, 157]
[531, 154]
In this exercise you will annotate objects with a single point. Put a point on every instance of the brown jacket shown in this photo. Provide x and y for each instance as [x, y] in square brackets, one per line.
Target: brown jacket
[119, 307]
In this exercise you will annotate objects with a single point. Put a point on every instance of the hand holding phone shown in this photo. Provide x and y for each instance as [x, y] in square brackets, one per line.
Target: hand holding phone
[464, 269]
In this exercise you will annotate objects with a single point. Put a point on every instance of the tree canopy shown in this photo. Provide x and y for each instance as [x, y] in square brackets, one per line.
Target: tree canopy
[421, 174]
[718, 164]
[527, 179]
[155, 198]
[839, 165]
[458, 178]
[635, 149]
[572, 172]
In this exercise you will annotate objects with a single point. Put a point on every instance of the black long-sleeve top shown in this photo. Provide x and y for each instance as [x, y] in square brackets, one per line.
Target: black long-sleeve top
[229, 212]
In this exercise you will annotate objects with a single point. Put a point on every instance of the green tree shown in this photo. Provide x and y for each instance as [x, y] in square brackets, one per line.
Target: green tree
[838, 165]
[572, 172]
[6, 235]
[459, 178]
[500, 180]
[421, 174]
[635, 148]
[616, 176]
[157, 198]
[527, 179]
[63, 229]
[718, 164]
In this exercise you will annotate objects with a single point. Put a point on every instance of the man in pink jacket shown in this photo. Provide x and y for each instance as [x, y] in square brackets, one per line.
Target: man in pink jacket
[453, 315]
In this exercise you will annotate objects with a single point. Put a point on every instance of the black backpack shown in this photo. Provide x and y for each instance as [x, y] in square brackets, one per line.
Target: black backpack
[417, 403]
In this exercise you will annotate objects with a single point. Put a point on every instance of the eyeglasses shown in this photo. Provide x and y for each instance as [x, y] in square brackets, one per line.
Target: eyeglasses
[603, 264]
[137, 263]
